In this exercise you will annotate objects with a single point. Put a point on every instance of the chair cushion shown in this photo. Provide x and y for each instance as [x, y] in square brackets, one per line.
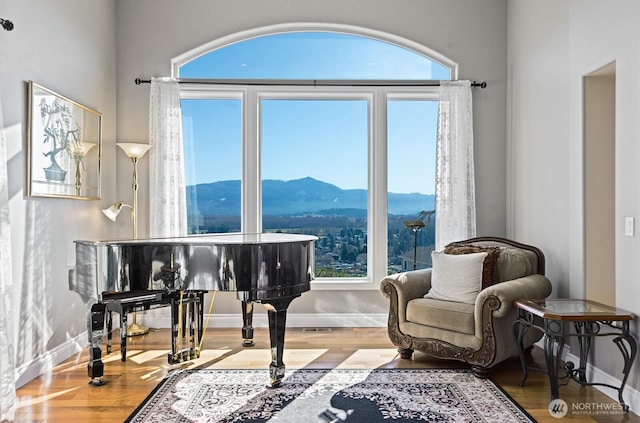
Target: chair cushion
[489, 264]
[515, 263]
[512, 262]
[456, 277]
[441, 314]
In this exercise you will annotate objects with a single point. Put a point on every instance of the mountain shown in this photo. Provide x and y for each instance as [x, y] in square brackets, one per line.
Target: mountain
[299, 196]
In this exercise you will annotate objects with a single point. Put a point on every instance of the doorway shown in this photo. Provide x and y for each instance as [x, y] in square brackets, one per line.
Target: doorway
[599, 150]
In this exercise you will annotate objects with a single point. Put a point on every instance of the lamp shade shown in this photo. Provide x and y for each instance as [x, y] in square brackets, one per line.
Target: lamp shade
[82, 148]
[113, 211]
[133, 149]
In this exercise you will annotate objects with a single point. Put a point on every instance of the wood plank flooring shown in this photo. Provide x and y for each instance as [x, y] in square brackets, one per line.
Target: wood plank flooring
[63, 394]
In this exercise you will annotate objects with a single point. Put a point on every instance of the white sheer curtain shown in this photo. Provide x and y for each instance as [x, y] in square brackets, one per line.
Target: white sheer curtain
[167, 191]
[7, 357]
[455, 186]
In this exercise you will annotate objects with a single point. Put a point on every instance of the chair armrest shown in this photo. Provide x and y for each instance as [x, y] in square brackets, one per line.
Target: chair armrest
[407, 286]
[532, 286]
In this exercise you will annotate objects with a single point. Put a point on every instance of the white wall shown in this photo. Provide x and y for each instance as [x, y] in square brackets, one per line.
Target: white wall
[552, 45]
[67, 46]
[473, 33]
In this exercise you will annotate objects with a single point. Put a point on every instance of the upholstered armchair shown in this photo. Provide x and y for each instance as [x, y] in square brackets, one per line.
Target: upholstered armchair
[477, 328]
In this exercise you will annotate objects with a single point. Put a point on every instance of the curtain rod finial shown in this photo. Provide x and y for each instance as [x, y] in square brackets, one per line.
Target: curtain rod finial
[6, 24]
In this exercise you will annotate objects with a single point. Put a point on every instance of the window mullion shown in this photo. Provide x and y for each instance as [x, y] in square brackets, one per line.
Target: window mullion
[251, 186]
[378, 186]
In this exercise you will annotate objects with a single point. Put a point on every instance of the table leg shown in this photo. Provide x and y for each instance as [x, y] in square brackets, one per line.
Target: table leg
[520, 328]
[585, 331]
[629, 352]
[553, 347]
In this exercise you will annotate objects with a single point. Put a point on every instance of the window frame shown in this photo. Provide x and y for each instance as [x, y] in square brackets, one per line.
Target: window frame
[377, 96]
[251, 191]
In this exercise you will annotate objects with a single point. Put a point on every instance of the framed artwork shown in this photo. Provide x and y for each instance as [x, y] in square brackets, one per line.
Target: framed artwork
[64, 146]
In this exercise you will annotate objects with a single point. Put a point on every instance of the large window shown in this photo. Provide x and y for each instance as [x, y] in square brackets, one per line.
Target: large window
[307, 147]
[349, 163]
[411, 148]
[212, 133]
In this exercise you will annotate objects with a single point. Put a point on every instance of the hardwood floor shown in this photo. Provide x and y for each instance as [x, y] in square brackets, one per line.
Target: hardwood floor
[63, 394]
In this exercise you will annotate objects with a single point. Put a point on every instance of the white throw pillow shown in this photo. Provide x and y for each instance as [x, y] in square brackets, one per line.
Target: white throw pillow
[456, 277]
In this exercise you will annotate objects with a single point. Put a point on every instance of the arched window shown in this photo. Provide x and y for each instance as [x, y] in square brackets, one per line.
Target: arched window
[325, 132]
[314, 55]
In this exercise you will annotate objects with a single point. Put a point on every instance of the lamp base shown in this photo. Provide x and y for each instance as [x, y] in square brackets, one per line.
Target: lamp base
[135, 329]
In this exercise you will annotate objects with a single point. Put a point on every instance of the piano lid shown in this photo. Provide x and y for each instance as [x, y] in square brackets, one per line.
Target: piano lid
[262, 266]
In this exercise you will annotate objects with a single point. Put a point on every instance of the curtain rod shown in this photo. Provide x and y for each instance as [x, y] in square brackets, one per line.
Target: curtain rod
[314, 82]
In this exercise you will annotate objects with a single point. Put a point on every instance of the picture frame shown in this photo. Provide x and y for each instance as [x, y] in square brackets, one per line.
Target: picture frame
[64, 146]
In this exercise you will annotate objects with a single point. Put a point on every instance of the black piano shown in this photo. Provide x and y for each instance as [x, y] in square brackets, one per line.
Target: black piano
[129, 275]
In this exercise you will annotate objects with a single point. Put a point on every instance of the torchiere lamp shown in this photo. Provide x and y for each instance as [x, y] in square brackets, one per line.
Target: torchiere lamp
[134, 151]
[78, 151]
[416, 225]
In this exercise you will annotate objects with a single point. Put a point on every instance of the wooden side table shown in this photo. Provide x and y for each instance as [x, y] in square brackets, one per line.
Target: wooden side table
[589, 320]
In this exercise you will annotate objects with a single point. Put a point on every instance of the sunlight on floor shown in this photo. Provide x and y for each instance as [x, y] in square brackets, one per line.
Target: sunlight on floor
[116, 356]
[260, 359]
[207, 356]
[156, 366]
[145, 356]
[368, 359]
[28, 401]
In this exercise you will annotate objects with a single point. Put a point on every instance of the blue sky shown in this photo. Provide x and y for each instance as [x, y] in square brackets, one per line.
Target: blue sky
[326, 140]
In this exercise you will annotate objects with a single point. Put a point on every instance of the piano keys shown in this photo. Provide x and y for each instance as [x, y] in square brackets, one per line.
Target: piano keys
[126, 275]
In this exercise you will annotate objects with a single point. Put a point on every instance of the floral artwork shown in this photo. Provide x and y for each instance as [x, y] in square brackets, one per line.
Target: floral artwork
[60, 130]
[62, 134]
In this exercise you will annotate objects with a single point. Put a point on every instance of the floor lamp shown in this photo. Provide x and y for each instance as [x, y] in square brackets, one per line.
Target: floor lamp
[416, 225]
[134, 151]
[78, 151]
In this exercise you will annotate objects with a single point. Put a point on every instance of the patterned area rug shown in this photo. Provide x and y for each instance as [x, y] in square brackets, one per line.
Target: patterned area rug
[338, 395]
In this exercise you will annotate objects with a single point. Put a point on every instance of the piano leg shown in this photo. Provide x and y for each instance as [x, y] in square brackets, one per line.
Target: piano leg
[200, 318]
[277, 312]
[123, 335]
[192, 328]
[247, 324]
[95, 368]
[109, 317]
[174, 356]
[186, 313]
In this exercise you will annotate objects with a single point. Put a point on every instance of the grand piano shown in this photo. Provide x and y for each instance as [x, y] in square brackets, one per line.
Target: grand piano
[128, 275]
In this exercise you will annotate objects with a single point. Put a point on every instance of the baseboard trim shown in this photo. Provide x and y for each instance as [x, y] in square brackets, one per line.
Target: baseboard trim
[295, 320]
[45, 363]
